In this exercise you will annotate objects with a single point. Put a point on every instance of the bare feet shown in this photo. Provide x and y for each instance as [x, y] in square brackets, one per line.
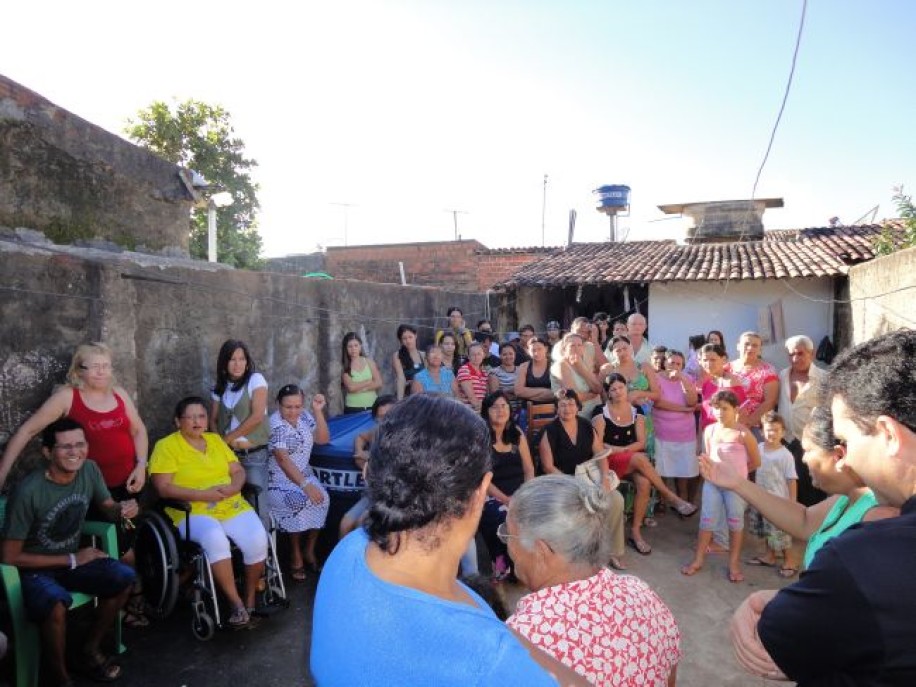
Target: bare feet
[692, 568]
[735, 575]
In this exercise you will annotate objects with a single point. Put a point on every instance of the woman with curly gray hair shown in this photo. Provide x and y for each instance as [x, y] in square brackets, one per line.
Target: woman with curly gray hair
[611, 629]
[392, 584]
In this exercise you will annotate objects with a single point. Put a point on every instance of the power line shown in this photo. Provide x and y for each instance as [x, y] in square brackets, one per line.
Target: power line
[785, 98]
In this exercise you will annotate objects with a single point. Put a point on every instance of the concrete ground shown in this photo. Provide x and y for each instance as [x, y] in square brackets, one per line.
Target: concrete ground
[276, 653]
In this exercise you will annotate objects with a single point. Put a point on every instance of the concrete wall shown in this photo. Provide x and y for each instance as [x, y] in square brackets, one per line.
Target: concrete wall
[883, 295]
[680, 309]
[72, 180]
[165, 321]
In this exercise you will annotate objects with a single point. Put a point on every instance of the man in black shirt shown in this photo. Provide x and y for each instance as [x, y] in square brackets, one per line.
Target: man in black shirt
[851, 618]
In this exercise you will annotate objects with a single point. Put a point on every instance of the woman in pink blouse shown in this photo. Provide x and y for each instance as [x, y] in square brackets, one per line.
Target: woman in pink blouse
[611, 629]
[762, 382]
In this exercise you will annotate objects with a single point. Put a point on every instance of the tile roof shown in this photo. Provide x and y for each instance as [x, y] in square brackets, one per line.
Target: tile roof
[782, 254]
[514, 250]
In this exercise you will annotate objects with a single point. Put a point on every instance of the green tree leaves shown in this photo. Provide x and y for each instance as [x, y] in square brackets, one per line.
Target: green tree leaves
[887, 242]
[200, 137]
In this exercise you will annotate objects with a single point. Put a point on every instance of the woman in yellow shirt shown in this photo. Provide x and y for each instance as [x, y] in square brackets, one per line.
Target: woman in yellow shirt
[197, 466]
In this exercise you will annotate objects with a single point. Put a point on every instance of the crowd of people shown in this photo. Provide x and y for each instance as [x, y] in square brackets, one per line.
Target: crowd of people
[449, 462]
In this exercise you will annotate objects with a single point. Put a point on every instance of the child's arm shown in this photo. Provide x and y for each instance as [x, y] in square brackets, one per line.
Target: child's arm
[753, 453]
[361, 447]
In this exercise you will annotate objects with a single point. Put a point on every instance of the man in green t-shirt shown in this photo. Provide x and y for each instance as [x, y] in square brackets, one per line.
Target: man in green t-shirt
[44, 519]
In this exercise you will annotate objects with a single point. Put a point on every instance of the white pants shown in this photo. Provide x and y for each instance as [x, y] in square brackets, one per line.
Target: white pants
[213, 535]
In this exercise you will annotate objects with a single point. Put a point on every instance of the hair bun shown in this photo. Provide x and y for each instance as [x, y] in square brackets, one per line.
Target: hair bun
[594, 498]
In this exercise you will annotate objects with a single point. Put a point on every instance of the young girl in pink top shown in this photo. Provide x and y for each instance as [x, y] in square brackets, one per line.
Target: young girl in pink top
[729, 442]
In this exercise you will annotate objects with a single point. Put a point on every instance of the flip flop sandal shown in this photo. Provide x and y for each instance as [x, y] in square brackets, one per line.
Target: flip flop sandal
[649, 522]
[135, 611]
[787, 573]
[641, 547]
[758, 561]
[685, 509]
[735, 577]
[616, 564]
[134, 620]
[297, 574]
[239, 619]
[100, 668]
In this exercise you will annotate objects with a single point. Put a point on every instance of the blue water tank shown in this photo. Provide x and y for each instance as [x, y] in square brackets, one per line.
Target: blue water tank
[612, 199]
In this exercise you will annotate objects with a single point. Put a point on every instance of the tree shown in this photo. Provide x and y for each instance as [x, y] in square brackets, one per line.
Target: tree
[200, 137]
[888, 242]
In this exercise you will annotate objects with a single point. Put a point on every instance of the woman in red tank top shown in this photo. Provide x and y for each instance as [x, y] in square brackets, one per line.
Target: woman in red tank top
[117, 436]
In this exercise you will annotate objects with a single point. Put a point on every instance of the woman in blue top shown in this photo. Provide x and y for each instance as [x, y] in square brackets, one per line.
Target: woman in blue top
[434, 378]
[392, 583]
[851, 501]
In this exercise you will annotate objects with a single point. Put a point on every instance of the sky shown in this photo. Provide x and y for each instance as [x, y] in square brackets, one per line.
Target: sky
[409, 110]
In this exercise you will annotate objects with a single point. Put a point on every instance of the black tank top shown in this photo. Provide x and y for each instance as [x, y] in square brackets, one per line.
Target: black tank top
[542, 382]
[508, 473]
[620, 435]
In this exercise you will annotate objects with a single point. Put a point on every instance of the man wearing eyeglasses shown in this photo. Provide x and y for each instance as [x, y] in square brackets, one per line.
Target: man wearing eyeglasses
[44, 520]
[850, 618]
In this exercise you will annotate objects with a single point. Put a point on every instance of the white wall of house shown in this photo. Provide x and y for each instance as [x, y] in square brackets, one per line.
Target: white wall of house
[679, 309]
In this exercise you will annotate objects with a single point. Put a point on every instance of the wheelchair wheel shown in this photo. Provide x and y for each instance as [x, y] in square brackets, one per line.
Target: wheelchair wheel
[157, 563]
[203, 626]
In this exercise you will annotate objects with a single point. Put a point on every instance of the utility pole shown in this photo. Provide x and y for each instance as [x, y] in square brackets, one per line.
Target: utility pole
[543, 211]
[346, 207]
[455, 214]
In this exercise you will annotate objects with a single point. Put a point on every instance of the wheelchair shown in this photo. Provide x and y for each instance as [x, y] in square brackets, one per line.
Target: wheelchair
[170, 564]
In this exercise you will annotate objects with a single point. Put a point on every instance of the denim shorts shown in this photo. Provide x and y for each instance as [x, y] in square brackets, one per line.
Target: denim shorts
[103, 577]
[721, 505]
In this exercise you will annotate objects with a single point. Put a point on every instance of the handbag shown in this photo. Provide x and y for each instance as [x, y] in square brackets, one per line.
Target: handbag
[589, 471]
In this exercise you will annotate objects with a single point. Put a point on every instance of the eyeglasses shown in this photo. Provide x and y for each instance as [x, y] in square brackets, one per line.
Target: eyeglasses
[502, 532]
[78, 446]
[97, 367]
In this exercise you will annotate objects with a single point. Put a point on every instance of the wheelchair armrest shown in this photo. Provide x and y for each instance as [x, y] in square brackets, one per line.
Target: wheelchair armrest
[107, 534]
[183, 506]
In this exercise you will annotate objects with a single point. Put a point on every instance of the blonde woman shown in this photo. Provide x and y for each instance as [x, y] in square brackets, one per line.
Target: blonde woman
[116, 435]
[117, 438]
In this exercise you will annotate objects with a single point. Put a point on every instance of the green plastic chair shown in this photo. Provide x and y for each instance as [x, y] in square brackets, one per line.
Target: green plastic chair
[26, 641]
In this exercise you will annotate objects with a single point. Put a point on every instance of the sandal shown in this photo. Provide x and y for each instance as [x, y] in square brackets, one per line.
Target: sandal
[297, 574]
[760, 561]
[616, 564]
[685, 509]
[649, 521]
[787, 572]
[239, 618]
[735, 576]
[641, 546]
[100, 668]
[254, 617]
[135, 612]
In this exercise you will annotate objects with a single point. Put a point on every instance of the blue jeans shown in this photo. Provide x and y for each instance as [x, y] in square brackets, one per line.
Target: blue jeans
[255, 464]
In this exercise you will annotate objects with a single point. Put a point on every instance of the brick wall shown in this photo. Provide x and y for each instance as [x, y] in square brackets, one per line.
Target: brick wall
[447, 264]
[72, 180]
[497, 265]
[459, 265]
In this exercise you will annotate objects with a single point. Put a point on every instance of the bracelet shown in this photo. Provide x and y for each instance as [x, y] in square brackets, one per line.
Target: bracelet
[72, 561]
[303, 484]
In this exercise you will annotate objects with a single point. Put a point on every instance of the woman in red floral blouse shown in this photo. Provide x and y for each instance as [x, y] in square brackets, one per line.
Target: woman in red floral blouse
[611, 629]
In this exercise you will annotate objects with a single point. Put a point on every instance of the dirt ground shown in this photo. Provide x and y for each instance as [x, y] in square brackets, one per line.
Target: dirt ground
[276, 653]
